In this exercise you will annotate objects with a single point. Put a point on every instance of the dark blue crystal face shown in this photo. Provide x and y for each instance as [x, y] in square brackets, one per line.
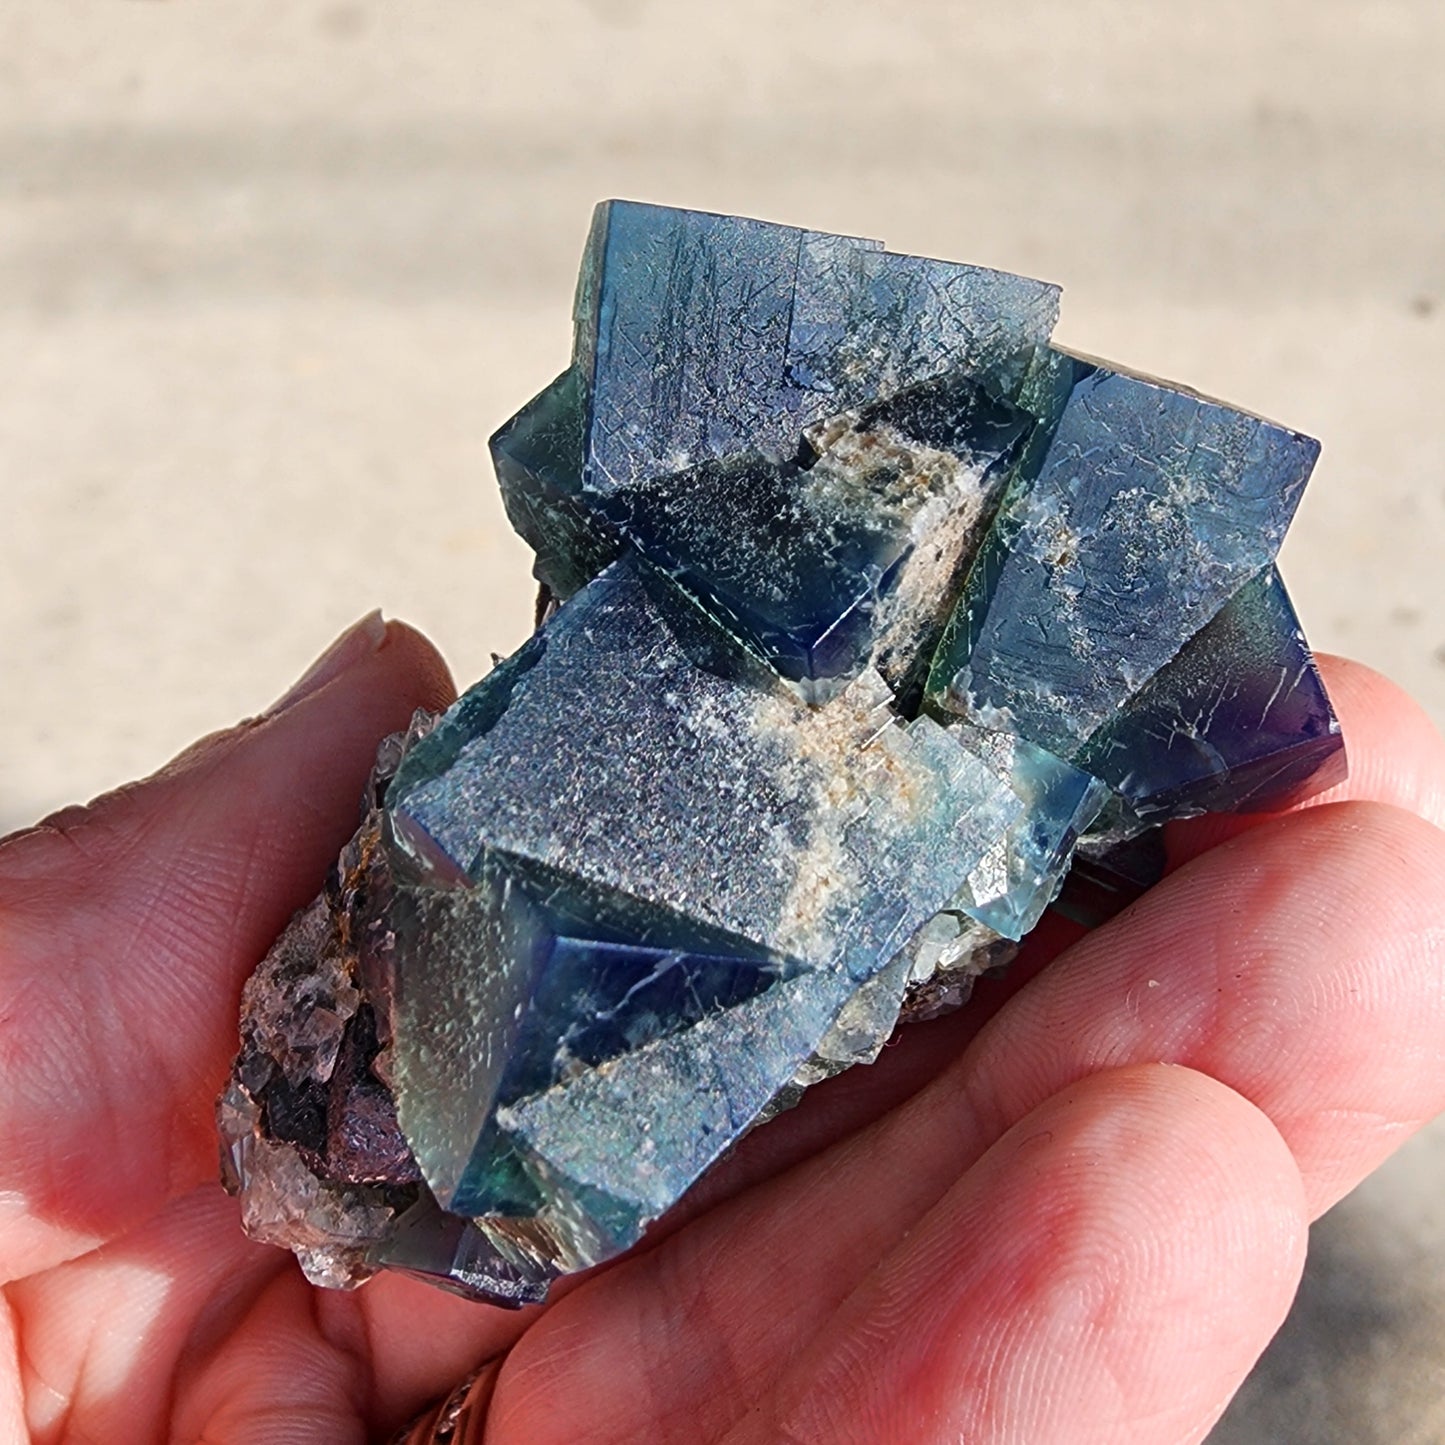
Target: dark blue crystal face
[538, 457]
[704, 337]
[557, 1007]
[881, 622]
[1238, 721]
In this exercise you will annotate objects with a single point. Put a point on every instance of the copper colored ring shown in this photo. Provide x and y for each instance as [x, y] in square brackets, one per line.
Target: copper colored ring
[461, 1418]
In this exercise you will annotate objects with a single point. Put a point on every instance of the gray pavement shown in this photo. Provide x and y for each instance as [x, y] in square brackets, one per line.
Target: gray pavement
[269, 275]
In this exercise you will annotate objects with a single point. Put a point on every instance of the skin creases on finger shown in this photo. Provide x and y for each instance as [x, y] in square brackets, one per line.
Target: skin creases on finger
[102, 1334]
[276, 1380]
[1300, 963]
[1106, 1274]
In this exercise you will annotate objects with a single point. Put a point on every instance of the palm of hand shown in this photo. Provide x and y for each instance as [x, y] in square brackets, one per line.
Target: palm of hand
[1075, 1212]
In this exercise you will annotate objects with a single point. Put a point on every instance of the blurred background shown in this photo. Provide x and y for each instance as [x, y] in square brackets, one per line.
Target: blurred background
[270, 275]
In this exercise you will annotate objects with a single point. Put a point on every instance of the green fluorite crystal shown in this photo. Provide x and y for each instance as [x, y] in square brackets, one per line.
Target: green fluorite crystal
[875, 612]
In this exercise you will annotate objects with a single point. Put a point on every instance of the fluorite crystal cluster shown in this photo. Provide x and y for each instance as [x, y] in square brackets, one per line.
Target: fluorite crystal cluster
[866, 614]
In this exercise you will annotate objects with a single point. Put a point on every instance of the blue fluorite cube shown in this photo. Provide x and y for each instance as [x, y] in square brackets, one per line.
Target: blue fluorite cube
[618, 866]
[1139, 511]
[871, 621]
[804, 432]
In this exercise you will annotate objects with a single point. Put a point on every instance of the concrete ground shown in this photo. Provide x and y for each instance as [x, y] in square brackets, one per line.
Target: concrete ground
[269, 275]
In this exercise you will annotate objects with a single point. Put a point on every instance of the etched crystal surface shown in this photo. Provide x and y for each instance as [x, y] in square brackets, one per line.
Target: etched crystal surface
[1139, 511]
[877, 613]
[1238, 719]
[790, 425]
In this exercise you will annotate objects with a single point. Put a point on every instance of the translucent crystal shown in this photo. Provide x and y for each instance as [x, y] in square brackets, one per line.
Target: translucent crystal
[754, 824]
[803, 431]
[1238, 720]
[872, 626]
[1140, 510]
[552, 967]
[1020, 875]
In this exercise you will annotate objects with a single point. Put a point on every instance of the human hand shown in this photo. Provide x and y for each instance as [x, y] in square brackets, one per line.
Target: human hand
[1074, 1212]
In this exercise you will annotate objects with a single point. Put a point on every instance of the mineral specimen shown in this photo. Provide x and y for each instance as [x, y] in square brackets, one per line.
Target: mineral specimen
[868, 613]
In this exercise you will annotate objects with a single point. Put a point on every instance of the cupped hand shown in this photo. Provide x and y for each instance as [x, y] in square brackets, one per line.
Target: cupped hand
[1075, 1212]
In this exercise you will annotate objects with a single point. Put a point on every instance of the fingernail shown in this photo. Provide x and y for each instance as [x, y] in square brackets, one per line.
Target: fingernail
[360, 641]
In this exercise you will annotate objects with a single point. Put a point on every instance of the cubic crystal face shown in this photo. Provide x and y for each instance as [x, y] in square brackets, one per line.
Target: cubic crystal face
[727, 416]
[868, 614]
[1139, 512]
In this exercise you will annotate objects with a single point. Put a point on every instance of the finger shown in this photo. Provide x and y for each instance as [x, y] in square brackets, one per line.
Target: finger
[273, 1378]
[127, 929]
[1109, 1272]
[1098, 1242]
[1300, 963]
[1396, 752]
[1396, 755]
[1331, 1023]
[103, 1334]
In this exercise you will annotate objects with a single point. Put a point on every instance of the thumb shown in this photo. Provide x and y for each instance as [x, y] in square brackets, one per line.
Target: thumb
[128, 927]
